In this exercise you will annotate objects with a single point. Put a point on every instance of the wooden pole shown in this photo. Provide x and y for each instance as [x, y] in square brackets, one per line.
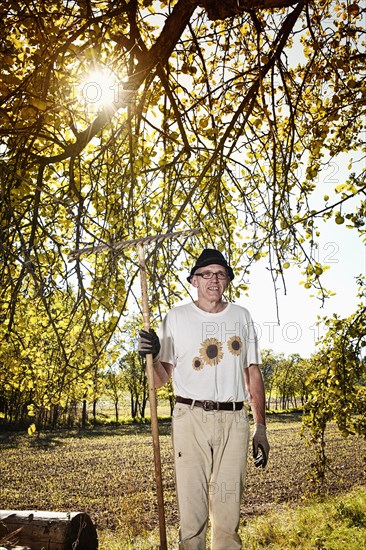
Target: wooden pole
[139, 243]
[152, 398]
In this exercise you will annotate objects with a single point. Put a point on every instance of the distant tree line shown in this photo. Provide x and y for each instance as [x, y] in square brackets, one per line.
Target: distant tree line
[290, 383]
[284, 380]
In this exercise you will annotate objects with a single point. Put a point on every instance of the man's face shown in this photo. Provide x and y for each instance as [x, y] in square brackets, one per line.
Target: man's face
[211, 287]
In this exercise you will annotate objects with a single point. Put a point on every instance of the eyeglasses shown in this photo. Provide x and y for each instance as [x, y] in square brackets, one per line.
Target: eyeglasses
[209, 274]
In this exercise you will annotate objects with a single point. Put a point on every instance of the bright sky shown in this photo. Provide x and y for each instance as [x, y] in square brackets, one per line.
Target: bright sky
[339, 247]
[344, 251]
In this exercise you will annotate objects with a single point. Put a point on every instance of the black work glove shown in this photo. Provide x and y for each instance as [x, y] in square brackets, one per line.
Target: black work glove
[260, 446]
[149, 343]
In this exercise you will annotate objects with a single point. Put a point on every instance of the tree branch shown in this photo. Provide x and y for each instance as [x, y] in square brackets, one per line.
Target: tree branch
[222, 9]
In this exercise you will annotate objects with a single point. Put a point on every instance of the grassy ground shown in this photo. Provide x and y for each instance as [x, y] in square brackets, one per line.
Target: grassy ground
[329, 524]
[333, 523]
[108, 472]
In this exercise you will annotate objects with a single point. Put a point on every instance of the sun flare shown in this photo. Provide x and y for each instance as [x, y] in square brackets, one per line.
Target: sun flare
[100, 88]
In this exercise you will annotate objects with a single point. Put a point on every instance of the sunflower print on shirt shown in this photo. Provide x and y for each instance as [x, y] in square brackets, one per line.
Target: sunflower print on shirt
[235, 345]
[211, 351]
[197, 363]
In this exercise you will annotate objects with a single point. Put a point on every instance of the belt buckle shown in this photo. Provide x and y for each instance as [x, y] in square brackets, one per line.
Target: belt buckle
[209, 406]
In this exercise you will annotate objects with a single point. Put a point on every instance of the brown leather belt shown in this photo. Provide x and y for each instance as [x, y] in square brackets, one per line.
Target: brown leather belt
[212, 405]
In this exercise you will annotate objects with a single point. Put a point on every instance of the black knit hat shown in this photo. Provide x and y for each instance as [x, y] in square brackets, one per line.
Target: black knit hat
[211, 256]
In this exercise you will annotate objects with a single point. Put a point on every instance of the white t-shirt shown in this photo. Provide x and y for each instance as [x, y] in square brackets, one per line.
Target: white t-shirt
[209, 351]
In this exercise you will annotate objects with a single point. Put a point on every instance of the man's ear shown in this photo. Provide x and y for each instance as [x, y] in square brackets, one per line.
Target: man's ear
[194, 281]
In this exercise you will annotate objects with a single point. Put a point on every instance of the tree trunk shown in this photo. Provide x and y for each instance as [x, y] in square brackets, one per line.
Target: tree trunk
[134, 405]
[116, 409]
[269, 397]
[51, 530]
[95, 411]
[84, 415]
[55, 415]
[142, 408]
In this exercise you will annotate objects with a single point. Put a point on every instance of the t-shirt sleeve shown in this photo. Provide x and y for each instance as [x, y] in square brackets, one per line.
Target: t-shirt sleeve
[167, 352]
[253, 356]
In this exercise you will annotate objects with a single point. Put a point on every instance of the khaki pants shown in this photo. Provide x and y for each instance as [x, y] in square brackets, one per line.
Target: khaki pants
[210, 453]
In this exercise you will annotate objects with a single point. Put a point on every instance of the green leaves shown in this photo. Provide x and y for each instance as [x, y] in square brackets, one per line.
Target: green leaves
[338, 389]
[225, 125]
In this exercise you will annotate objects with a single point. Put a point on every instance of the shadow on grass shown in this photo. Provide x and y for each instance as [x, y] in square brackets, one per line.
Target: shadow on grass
[285, 417]
[57, 436]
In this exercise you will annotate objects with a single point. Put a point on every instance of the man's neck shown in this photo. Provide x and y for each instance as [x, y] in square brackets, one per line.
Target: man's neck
[211, 307]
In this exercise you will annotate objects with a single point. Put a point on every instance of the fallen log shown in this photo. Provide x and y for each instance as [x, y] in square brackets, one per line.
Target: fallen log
[49, 530]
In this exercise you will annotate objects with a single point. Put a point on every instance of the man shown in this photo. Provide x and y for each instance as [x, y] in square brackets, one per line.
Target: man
[210, 349]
